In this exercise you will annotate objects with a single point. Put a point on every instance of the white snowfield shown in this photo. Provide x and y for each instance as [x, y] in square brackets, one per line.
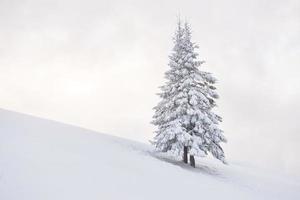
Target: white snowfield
[45, 160]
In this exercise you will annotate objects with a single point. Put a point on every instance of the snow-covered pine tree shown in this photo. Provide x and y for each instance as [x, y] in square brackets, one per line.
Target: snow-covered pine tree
[184, 116]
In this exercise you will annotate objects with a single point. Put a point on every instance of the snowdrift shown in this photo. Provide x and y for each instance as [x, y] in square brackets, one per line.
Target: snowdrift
[46, 160]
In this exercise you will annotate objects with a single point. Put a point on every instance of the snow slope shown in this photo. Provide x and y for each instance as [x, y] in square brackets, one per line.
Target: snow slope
[42, 160]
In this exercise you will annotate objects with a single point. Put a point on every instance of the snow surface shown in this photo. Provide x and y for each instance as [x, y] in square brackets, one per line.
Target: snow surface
[42, 160]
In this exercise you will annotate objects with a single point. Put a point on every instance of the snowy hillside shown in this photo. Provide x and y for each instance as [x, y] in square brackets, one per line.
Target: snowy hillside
[46, 160]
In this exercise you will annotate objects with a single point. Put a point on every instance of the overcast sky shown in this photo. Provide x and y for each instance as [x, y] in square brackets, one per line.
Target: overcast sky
[98, 64]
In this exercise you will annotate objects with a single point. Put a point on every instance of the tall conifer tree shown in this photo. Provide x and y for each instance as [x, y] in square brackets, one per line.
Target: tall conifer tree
[184, 117]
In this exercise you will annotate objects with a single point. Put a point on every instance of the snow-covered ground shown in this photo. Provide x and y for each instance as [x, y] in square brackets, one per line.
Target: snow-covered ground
[42, 160]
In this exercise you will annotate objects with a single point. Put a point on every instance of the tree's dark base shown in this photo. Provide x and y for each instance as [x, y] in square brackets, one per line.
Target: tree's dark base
[192, 161]
[185, 157]
[185, 154]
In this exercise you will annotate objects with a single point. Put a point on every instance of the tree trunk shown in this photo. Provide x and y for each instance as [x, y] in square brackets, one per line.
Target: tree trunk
[192, 161]
[185, 154]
